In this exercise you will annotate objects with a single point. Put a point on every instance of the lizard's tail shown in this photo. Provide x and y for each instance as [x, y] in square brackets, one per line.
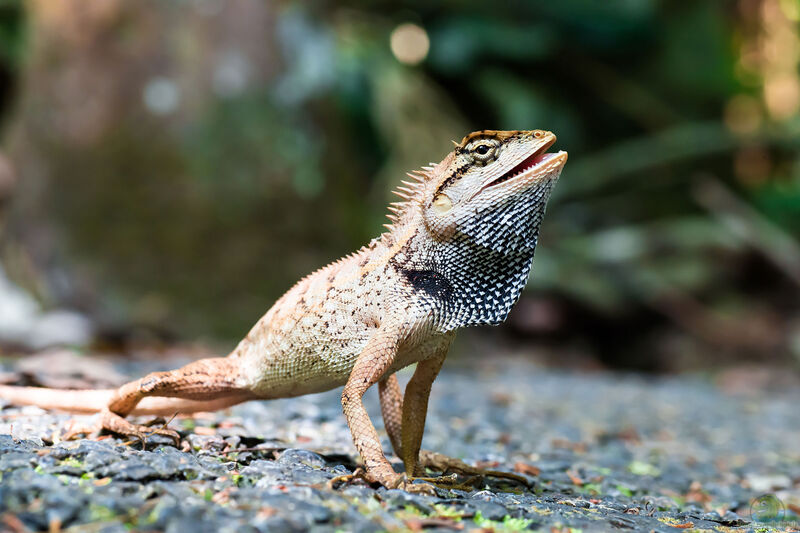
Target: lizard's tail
[74, 401]
[92, 401]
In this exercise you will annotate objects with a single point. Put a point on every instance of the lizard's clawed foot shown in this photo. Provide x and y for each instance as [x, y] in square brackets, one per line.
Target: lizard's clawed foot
[116, 424]
[390, 480]
[445, 464]
[450, 467]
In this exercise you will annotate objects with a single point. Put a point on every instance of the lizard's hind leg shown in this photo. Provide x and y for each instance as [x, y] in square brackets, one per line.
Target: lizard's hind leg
[203, 380]
[391, 399]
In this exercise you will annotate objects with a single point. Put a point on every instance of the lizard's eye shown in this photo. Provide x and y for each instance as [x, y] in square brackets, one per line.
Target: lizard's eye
[484, 151]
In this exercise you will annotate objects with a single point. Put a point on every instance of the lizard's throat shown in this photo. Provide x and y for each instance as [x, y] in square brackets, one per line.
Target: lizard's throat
[477, 276]
[485, 288]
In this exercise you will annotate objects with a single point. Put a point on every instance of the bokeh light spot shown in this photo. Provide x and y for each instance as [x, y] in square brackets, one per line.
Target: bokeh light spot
[161, 96]
[782, 95]
[409, 43]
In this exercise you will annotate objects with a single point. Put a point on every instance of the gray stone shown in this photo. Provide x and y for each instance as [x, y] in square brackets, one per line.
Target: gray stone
[399, 499]
[207, 489]
[294, 456]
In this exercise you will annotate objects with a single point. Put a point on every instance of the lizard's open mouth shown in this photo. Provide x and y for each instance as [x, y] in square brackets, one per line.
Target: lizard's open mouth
[538, 157]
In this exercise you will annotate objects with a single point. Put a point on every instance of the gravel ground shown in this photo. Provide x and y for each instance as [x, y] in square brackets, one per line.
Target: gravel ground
[601, 451]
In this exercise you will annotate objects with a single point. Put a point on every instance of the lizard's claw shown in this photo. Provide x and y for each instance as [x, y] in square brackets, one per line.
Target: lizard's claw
[116, 424]
[443, 463]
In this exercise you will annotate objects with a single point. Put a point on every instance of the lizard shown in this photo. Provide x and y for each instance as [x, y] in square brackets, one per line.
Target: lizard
[457, 252]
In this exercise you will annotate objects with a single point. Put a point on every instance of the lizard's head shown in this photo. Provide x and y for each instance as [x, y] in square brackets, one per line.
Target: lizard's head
[493, 188]
[468, 226]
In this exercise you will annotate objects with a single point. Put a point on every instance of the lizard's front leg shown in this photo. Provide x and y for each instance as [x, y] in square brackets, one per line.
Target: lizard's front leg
[374, 361]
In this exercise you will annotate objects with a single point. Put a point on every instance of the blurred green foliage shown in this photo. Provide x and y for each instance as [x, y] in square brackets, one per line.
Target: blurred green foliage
[12, 32]
[12, 45]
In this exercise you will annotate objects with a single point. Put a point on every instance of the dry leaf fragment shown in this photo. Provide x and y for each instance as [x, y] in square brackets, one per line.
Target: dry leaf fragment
[525, 468]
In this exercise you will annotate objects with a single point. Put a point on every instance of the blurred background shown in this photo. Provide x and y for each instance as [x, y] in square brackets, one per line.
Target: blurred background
[169, 168]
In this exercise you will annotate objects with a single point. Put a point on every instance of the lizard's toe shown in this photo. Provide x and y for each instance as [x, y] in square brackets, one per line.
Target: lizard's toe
[345, 479]
[75, 429]
[424, 488]
[164, 432]
[116, 424]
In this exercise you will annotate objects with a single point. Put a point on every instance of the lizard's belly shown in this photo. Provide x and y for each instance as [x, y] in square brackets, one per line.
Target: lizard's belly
[279, 364]
[293, 367]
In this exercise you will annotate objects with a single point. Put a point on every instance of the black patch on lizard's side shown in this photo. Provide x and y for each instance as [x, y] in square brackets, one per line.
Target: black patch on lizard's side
[429, 282]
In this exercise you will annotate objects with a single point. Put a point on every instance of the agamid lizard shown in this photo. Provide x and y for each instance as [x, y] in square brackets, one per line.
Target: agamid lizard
[457, 253]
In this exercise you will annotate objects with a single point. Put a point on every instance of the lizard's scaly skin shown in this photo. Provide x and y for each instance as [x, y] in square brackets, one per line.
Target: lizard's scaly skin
[457, 253]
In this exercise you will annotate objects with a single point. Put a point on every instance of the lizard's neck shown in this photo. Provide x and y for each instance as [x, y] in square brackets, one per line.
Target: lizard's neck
[476, 276]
